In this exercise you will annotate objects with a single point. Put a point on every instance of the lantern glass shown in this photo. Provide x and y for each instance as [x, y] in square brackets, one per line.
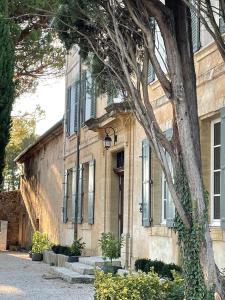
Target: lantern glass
[107, 142]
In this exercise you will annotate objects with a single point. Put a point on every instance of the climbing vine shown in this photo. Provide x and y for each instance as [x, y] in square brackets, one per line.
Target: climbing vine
[190, 243]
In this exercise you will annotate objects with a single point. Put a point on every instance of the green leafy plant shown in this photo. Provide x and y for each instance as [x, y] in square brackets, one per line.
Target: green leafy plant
[77, 247]
[40, 242]
[161, 268]
[140, 286]
[110, 246]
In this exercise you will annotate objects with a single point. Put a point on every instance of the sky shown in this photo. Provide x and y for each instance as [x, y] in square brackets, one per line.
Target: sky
[50, 95]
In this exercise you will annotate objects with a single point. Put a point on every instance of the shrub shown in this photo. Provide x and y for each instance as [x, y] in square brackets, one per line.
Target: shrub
[110, 246]
[137, 287]
[161, 268]
[77, 247]
[40, 242]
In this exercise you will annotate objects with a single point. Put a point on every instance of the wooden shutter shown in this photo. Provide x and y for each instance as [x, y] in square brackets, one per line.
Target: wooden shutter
[222, 162]
[146, 183]
[74, 195]
[93, 99]
[91, 191]
[221, 23]
[83, 96]
[68, 108]
[80, 196]
[65, 196]
[170, 209]
[76, 106]
[195, 29]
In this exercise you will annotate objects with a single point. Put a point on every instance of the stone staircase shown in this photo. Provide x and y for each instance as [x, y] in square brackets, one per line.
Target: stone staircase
[82, 271]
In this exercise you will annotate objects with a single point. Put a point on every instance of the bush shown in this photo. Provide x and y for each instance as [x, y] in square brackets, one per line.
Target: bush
[40, 242]
[75, 249]
[137, 287]
[161, 268]
[110, 246]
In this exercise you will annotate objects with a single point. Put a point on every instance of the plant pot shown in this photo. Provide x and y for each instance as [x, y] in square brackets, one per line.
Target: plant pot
[37, 256]
[72, 259]
[110, 269]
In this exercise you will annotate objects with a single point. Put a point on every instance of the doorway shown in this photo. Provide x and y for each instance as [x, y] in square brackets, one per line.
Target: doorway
[119, 171]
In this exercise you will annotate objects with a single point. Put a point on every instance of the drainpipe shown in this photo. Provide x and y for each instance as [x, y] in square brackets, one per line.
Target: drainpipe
[78, 154]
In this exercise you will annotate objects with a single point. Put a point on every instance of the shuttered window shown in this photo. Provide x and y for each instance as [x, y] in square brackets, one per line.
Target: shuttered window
[146, 183]
[91, 191]
[80, 196]
[222, 164]
[90, 97]
[72, 109]
[221, 22]
[73, 194]
[195, 29]
[65, 196]
[68, 94]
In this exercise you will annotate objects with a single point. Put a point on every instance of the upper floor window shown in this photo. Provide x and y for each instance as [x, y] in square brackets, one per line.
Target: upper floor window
[215, 171]
[72, 108]
[88, 96]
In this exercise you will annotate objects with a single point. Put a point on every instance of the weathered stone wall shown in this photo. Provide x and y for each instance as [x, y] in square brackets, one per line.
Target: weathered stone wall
[3, 234]
[12, 210]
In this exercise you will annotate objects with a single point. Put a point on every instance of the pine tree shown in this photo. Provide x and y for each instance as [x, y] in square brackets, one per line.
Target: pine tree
[7, 87]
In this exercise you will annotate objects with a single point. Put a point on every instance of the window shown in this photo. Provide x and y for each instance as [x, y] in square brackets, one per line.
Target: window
[72, 108]
[146, 184]
[215, 171]
[168, 210]
[88, 96]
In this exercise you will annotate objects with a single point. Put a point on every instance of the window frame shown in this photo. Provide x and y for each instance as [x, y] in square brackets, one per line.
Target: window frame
[214, 222]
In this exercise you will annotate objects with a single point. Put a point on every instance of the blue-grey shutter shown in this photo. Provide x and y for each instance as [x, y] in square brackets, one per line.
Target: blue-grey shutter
[222, 162]
[68, 108]
[195, 29]
[170, 209]
[93, 99]
[151, 73]
[146, 183]
[83, 96]
[76, 100]
[221, 24]
[73, 194]
[80, 196]
[65, 196]
[91, 191]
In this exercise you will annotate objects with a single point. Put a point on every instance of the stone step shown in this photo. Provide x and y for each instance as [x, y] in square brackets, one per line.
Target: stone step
[80, 268]
[70, 276]
[97, 261]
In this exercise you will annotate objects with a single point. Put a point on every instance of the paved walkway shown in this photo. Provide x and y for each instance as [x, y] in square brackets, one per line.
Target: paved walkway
[20, 278]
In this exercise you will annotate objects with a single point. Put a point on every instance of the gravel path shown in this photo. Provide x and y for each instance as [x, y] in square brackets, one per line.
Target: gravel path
[20, 278]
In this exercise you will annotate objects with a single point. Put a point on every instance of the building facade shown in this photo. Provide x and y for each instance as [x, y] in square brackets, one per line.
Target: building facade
[123, 190]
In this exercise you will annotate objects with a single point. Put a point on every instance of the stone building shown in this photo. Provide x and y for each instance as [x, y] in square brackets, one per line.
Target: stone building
[41, 183]
[123, 189]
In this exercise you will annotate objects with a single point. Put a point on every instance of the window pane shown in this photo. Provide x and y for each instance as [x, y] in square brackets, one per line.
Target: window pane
[164, 209]
[216, 182]
[217, 158]
[165, 190]
[217, 207]
[217, 134]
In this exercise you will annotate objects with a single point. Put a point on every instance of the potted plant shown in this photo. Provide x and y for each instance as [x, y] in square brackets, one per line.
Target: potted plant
[40, 243]
[76, 250]
[110, 246]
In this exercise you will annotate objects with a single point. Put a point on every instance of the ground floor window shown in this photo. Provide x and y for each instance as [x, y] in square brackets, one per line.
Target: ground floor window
[215, 171]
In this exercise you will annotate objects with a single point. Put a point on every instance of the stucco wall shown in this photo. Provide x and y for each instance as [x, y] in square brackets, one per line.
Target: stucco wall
[41, 186]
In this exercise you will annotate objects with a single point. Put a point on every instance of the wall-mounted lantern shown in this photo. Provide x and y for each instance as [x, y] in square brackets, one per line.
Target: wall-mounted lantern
[108, 139]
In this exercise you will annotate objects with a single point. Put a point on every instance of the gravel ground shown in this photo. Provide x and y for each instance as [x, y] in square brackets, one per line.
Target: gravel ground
[20, 278]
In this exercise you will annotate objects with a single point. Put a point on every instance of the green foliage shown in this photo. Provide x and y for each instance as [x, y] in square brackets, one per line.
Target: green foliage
[110, 246]
[40, 242]
[6, 82]
[74, 250]
[161, 268]
[137, 287]
[77, 247]
[22, 134]
[190, 243]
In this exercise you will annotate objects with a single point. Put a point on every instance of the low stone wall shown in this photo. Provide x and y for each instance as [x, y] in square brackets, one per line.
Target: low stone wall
[49, 257]
[13, 210]
[3, 234]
